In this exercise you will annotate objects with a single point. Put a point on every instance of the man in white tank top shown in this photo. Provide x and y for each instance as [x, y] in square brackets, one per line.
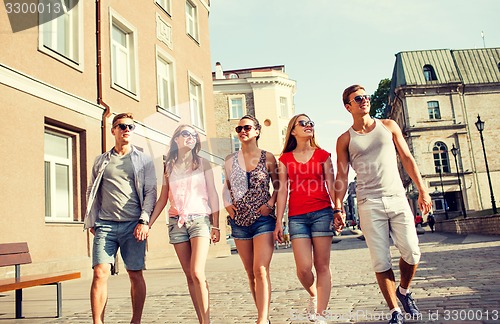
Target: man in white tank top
[369, 146]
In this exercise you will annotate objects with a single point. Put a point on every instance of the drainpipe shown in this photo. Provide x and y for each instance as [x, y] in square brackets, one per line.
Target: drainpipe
[107, 112]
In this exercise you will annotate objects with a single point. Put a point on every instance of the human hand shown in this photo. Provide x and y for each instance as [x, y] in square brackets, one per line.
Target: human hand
[424, 202]
[141, 232]
[278, 232]
[264, 210]
[231, 210]
[215, 235]
[339, 221]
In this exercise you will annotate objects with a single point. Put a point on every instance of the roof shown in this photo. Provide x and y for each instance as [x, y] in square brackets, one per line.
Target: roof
[469, 66]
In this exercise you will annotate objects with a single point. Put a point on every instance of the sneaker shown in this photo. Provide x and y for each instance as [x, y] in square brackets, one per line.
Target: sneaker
[408, 303]
[312, 305]
[320, 319]
[397, 318]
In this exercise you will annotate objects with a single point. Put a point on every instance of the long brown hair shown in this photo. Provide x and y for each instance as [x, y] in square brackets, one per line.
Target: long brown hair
[173, 151]
[290, 140]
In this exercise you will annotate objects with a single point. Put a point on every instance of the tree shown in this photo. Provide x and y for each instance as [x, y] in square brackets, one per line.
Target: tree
[380, 99]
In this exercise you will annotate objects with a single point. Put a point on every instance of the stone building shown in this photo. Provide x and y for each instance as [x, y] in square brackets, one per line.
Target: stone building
[264, 92]
[62, 81]
[436, 97]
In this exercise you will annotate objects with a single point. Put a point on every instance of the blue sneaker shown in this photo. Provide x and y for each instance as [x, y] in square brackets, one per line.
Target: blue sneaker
[408, 303]
[397, 318]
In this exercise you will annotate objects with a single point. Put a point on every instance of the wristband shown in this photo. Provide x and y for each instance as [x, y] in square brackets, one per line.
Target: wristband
[216, 228]
[269, 206]
[335, 211]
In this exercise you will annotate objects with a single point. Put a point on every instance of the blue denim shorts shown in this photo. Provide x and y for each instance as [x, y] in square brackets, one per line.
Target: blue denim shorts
[109, 236]
[195, 226]
[313, 224]
[263, 225]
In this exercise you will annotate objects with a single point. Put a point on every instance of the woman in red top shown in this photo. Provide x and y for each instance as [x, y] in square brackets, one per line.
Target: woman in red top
[306, 176]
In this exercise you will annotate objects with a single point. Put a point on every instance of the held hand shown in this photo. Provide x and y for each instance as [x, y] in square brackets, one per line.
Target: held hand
[215, 234]
[231, 210]
[339, 221]
[141, 232]
[278, 233]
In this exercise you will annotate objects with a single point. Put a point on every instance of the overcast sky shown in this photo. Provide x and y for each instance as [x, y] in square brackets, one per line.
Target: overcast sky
[327, 45]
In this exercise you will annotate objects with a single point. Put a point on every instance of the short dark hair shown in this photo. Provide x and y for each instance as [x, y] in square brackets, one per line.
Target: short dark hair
[347, 92]
[122, 115]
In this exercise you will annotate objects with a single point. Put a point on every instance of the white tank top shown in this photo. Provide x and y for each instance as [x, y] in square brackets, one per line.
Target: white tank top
[373, 157]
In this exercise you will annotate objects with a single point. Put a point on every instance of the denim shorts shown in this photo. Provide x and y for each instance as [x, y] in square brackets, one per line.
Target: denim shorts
[313, 224]
[109, 236]
[381, 217]
[195, 226]
[263, 225]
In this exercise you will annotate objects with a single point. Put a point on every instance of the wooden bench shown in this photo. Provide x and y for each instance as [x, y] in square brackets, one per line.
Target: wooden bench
[15, 254]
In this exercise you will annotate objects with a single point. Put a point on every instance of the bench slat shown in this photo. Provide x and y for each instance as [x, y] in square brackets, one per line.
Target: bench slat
[13, 248]
[36, 280]
[13, 259]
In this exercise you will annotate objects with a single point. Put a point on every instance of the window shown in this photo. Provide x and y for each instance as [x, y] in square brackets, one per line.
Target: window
[61, 31]
[429, 73]
[441, 160]
[235, 108]
[124, 56]
[284, 107]
[166, 5]
[58, 157]
[235, 143]
[434, 112]
[191, 20]
[166, 89]
[196, 104]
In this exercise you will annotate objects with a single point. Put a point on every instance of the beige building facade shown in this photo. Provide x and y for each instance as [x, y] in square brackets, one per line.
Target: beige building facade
[436, 97]
[264, 92]
[61, 83]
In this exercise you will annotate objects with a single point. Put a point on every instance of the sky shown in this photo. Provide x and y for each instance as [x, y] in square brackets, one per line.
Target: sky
[327, 45]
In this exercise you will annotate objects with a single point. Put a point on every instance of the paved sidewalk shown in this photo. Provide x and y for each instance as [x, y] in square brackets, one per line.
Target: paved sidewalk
[457, 280]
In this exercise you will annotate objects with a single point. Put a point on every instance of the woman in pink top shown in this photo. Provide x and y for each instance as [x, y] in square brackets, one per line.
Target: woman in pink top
[188, 183]
[306, 177]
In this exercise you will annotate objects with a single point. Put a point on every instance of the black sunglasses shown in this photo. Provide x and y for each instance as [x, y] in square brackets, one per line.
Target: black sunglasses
[186, 134]
[247, 128]
[305, 123]
[123, 127]
[359, 99]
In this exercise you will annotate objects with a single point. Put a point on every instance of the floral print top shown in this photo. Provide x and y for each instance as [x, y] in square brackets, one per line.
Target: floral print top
[249, 190]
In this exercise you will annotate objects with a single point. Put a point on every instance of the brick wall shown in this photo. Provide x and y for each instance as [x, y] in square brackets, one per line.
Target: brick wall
[489, 224]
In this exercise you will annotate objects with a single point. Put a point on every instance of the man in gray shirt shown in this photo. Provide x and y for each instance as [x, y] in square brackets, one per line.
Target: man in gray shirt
[371, 146]
[120, 199]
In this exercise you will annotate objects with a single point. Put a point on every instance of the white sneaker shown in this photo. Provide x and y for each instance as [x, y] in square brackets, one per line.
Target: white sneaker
[312, 306]
[320, 319]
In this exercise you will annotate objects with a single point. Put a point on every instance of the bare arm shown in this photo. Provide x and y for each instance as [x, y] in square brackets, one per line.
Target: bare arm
[342, 170]
[424, 200]
[213, 200]
[329, 178]
[161, 202]
[272, 168]
[281, 200]
[226, 195]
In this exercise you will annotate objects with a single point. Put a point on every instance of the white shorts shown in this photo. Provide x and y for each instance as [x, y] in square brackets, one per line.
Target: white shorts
[381, 217]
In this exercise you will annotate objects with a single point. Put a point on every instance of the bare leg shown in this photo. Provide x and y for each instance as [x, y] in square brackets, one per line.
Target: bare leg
[138, 294]
[321, 256]
[199, 253]
[407, 273]
[302, 252]
[387, 285]
[183, 251]
[245, 251]
[99, 292]
[264, 244]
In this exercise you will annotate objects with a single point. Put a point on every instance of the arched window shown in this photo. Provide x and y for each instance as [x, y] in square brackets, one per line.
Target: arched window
[440, 152]
[429, 73]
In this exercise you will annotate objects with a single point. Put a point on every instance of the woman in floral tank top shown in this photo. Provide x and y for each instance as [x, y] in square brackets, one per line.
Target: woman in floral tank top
[250, 206]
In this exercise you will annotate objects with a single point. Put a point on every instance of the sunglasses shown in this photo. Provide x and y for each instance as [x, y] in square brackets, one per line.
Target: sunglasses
[123, 127]
[186, 134]
[359, 99]
[247, 128]
[305, 123]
